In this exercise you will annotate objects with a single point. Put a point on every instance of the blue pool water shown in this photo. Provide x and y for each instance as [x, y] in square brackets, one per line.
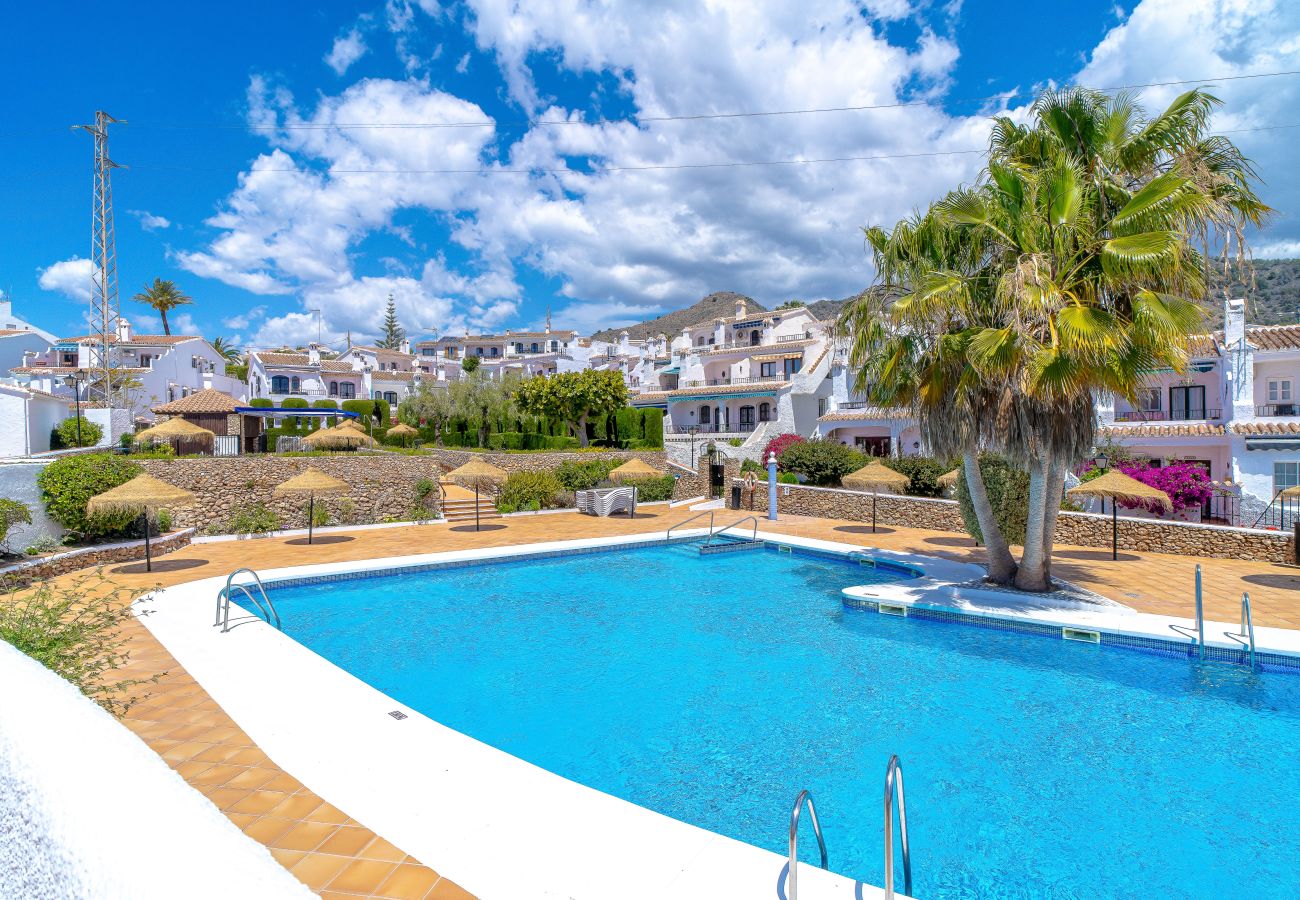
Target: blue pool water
[713, 688]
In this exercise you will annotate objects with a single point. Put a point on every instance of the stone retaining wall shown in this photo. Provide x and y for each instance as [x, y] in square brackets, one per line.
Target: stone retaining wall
[543, 461]
[27, 572]
[1080, 529]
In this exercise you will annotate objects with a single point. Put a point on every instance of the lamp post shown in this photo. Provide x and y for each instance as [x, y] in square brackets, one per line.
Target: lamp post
[771, 485]
[74, 381]
[1102, 463]
[693, 431]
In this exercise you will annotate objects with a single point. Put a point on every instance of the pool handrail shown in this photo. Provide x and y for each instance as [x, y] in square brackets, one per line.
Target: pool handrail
[713, 534]
[668, 535]
[1246, 637]
[791, 879]
[223, 601]
[1200, 618]
[894, 784]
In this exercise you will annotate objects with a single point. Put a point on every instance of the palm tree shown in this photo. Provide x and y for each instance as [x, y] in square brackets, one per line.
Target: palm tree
[163, 296]
[228, 351]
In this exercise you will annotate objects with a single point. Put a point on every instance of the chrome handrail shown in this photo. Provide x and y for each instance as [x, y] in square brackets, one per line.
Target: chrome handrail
[713, 534]
[709, 512]
[1247, 635]
[1200, 618]
[894, 783]
[791, 880]
[223, 600]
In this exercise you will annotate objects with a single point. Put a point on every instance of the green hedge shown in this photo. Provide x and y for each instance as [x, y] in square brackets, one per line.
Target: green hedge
[581, 474]
[654, 427]
[294, 403]
[924, 472]
[67, 484]
[823, 463]
[261, 402]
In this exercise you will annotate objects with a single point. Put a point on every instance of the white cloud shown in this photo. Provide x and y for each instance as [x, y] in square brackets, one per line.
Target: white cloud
[149, 221]
[243, 320]
[70, 277]
[1289, 249]
[463, 65]
[347, 49]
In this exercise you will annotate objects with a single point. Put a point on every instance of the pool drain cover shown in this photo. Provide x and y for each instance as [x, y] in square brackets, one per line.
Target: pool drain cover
[398, 714]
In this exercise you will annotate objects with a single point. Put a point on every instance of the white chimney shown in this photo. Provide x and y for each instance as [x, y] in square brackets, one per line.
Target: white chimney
[741, 309]
[313, 354]
[622, 341]
[1234, 322]
[123, 329]
[405, 346]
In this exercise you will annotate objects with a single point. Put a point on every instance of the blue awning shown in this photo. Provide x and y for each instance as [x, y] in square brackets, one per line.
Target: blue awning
[671, 370]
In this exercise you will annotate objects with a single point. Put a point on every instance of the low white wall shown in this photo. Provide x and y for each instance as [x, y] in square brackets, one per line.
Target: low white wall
[18, 482]
[88, 811]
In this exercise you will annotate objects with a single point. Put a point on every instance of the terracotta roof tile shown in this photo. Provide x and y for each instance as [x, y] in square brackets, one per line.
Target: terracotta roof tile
[1274, 337]
[1194, 429]
[69, 370]
[1265, 428]
[162, 339]
[866, 412]
[648, 397]
[708, 390]
[208, 400]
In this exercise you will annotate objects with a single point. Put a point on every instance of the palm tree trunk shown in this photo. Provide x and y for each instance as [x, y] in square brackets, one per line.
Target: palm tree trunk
[1055, 485]
[166, 328]
[1001, 565]
[1032, 574]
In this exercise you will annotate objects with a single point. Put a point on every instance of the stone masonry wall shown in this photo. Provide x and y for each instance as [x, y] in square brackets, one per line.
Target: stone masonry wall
[30, 571]
[1080, 529]
[534, 462]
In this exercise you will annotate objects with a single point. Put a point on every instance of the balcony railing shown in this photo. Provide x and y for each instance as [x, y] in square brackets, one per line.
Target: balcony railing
[724, 382]
[1160, 415]
[793, 337]
[1278, 409]
[715, 428]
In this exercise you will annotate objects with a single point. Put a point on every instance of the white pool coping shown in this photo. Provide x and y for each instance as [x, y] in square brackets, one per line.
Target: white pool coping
[493, 823]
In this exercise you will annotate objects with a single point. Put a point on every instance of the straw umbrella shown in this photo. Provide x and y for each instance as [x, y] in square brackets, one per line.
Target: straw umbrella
[352, 423]
[875, 475]
[403, 431]
[313, 483]
[1120, 488]
[340, 437]
[144, 494]
[633, 469]
[949, 479]
[478, 473]
[175, 429]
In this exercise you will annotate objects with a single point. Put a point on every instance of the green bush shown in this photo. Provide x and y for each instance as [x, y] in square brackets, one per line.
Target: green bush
[64, 435]
[652, 426]
[651, 490]
[261, 402]
[522, 489]
[580, 475]
[631, 426]
[67, 484]
[383, 412]
[12, 512]
[753, 465]
[363, 408]
[787, 478]
[255, 518]
[294, 403]
[76, 631]
[821, 462]
[324, 404]
[1008, 489]
[924, 472]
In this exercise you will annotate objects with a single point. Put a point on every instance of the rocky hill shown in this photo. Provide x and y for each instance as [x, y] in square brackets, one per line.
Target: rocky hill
[720, 303]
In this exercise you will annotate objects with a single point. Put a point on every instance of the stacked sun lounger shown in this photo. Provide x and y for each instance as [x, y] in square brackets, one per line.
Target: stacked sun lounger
[604, 501]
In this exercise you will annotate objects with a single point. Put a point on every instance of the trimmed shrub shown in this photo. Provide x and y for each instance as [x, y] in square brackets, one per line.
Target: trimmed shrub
[522, 490]
[787, 478]
[924, 472]
[261, 402]
[68, 484]
[64, 435]
[1008, 489]
[650, 490]
[324, 404]
[821, 462]
[580, 475]
[364, 408]
[630, 425]
[382, 411]
[779, 444]
[652, 425]
[294, 403]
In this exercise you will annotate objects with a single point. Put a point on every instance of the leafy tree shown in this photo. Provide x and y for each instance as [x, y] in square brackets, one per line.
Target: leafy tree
[480, 398]
[573, 398]
[65, 433]
[228, 351]
[470, 364]
[429, 407]
[394, 333]
[778, 446]
[67, 484]
[792, 304]
[163, 296]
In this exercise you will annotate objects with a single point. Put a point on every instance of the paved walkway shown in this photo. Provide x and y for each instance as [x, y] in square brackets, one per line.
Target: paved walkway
[339, 857]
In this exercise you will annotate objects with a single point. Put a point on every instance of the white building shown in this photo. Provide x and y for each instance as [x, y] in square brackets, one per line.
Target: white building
[26, 419]
[18, 338]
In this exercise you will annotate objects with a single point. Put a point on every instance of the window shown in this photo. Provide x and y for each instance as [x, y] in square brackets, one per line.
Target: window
[1285, 475]
[873, 446]
[1149, 399]
[746, 418]
[519, 348]
[755, 338]
[428, 351]
[764, 412]
[279, 384]
[767, 369]
[704, 415]
[699, 341]
[377, 395]
[1279, 390]
[391, 397]
[823, 406]
[334, 388]
[478, 351]
[793, 365]
[494, 351]
[713, 340]
[348, 390]
[1187, 402]
[295, 385]
[534, 350]
[555, 345]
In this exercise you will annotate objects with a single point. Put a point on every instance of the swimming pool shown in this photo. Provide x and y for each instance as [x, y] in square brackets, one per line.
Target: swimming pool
[713, 688]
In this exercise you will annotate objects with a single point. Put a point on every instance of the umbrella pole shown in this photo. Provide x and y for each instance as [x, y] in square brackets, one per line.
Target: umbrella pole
[873, 511]
[311, 515]
[148, 553]
[1114, 529]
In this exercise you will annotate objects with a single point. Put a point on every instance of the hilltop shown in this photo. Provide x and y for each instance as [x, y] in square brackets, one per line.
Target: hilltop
[719, 303]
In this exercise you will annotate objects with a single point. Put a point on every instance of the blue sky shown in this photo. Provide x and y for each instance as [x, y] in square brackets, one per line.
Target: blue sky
[263, 224]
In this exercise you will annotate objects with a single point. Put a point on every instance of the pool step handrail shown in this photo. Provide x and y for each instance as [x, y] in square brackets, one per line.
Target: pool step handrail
[709, 512]
[713, 534]
[265, 606]
[1246, 637]
[1199, 639]
[894, 785]
[792, 876]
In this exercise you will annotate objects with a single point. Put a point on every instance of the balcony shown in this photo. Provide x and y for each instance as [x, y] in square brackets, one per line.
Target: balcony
[1271, 410]
[727, 382]
[715, 428]
[1159, 415]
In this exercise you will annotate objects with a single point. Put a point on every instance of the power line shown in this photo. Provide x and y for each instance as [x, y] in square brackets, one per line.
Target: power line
[635, 120]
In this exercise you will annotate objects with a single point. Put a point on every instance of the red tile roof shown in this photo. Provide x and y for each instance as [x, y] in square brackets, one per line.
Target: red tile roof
[1274, 337]
[208, 400]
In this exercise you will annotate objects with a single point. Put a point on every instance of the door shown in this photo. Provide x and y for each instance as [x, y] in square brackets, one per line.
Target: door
[1187, 402]
[747, 418]
[873, 446]
[717, 473]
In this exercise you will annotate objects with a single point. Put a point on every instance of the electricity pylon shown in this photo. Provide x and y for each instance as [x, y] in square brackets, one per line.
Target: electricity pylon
[104, 305]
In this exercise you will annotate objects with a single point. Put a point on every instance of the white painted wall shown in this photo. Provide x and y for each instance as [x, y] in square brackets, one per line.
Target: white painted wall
[109, 822]
[13, 346]
[26, 421]
[18, 482]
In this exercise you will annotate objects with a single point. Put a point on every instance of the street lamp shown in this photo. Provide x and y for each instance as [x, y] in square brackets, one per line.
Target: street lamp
[693, 431]
[74, 381]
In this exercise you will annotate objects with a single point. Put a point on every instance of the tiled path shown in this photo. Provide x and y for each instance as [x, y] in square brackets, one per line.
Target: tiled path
[339, 857]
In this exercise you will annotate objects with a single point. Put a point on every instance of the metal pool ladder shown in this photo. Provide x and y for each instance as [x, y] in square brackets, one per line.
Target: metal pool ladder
[894, 785]
[265, 606]
[1200, 619]
[752, 544]
[709, 512]
[1246, 637]
[792, 877]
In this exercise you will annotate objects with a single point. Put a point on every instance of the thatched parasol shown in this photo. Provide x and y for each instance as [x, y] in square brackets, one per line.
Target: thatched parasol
[949, 479]
[340, 437]
[875, 475]
[402, 431]
[478, 473]
[143, 494]
[353, 423]
[311, 484]
[634, 468]
[1120, 488]
[177, 429]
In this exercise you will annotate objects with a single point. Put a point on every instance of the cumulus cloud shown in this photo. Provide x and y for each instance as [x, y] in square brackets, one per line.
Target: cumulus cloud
[149, 221]
[70, 277]
[347, 49]
[243, 320]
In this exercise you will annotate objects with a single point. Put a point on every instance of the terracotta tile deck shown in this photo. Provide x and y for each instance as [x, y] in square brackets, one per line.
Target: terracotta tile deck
[339, 857]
